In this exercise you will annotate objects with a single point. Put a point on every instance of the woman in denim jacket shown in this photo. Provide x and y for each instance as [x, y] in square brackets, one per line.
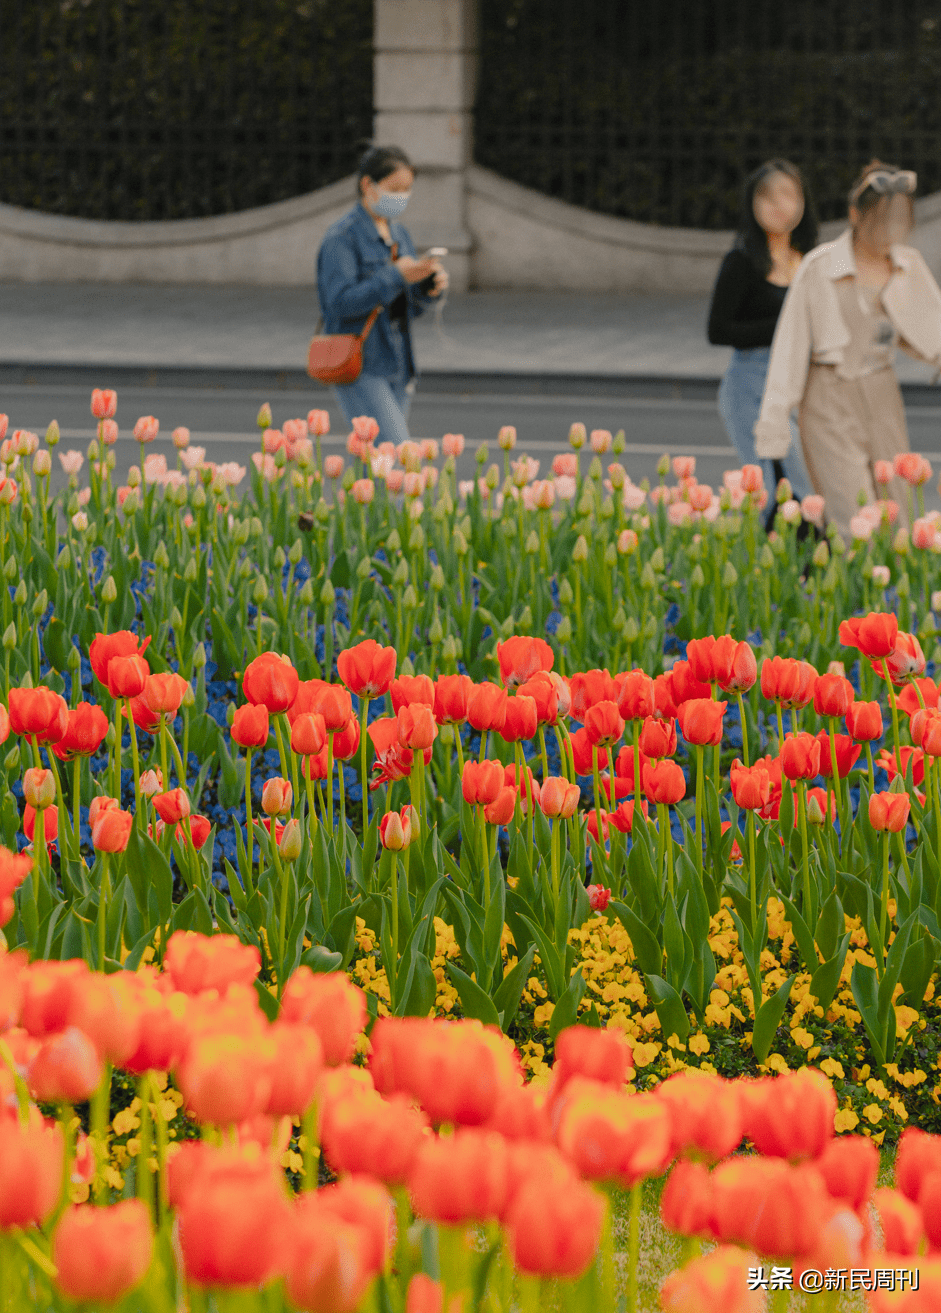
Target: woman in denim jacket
[367, 259]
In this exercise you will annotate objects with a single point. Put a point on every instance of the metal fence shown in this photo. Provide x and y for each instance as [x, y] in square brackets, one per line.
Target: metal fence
[130, 109]
[655, 111]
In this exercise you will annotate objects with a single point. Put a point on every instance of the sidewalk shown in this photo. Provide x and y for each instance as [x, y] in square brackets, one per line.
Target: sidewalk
[551, 336]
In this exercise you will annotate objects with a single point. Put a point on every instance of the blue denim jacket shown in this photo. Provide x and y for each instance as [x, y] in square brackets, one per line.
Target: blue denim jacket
[355, 274]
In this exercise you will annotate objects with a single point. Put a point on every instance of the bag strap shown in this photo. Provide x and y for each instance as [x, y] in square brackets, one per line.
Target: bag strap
[367, 327]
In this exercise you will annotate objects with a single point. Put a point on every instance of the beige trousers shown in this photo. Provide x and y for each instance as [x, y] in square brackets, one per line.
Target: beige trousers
[846, 425]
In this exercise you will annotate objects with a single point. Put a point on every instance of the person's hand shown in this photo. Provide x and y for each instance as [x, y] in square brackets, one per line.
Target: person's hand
[416, 271]
[441, 281]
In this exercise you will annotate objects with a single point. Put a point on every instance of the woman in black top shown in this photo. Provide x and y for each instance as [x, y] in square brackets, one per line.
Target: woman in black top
[777, 228]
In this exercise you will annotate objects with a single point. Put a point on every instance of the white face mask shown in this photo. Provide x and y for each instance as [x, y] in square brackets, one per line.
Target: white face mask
[390, 204]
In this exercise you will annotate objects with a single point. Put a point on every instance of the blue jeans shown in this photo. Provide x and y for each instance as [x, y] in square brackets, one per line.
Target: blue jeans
[740, 395]
[386, 400]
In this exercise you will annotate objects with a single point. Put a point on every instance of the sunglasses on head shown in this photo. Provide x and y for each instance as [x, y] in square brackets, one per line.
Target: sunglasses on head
[887, 182]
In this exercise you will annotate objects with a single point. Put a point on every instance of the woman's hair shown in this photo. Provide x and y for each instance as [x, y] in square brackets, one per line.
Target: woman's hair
[869, 198]
[378, 162]
[752, 237]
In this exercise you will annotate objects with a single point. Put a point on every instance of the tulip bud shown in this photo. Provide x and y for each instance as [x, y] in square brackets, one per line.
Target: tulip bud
[900, 542]
[190, 570]
[306, 594]
[246, 570]
[406, 669]
[9, 637]
[577, 436]
[619, 623]
[416, 539]
[279, 558]
[230, 714]
[39, 788]
[296, 552]
[151, 782]
[327, 594]
[410, 597]
[11, 569]
[564, 630]
[821, 553]
[492, 477]
[729, 575]
[658, 560]
[628, 542]
[260, 591]
[291, 839]
[400, 573]
[532, 543]
[322, 512]
[580, 550]
[766, 558]
[838, 545]
[64, 559]
[94, 451]
[697, 578]
[663, 466]
[903, 586]
[815, 814]
[435, 630]
[619, 443]
[566, 595]
[134, 477]
[264, 417]
[648, 579]
[11, 761]
[42, 464]
[40, 603]
[436, 579]
[19, 597]
[131, 503]
[109, 737]
[594, 469]
[189, 697]
[449, 648]
[176, 620]
[53, 434]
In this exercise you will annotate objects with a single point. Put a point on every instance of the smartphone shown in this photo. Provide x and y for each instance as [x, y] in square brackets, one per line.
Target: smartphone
[435, 253]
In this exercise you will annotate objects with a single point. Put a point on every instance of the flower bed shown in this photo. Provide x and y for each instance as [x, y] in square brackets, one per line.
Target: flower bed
[727, 851]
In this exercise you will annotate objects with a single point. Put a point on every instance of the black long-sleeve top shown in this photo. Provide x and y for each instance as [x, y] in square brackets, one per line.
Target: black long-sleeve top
[745, 306]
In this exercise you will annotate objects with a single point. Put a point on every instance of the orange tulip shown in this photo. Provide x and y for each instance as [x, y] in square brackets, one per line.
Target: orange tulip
[308, 734]
[481, 782]
[710, 658]
[603, 723]
[554, 1227]
[681, 686]
[250, 726]
[417, 727]
[521, 657]
[901, 1220]
[589, 687]
[686, 1201]
[543, 688]
[38, 712]
[277, 796]
[102, 1253]
[717, 1282]
[636, 696]
[367, 669]
[104, 403]
[664, 782]
[706, 1114]
[791, 1116]
[849, 1166]
[107, 1009]
[701, 721]
[800, 756]
[225, 1078]
[456, 1072]
[31, 1162]
[111, 830]
[486, 707]
[85, 732]
[332, 1005]
[196, 962]
[739, 672]
[657, 738]
[395, 829]
[234, 1222]
[295, 1068]
[346, 741]
[427, 1296]
[889, 811]
[379, 1137]
[500, 811]
[598, 1055]
[66, 1069]
[460, 1178]
[559, 798]
[918, 1154]
[751, 785]
[613, 1137]
[581, 746]
[790, 682]
[521, 719]
[162, 1033]
[864, 721]
[270, 681]
[48, 988]
[172, 806]
[359, 1201]
[409, 690]
[452, 693]
[905, 661]
[769, 1205]
[847, 754]
[164, 693]
[833, 695]
[874, 635]
[104, 647]
[327, 1268]
[127, 676]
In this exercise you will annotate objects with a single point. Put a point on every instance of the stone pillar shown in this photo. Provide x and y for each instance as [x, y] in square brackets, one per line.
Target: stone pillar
[425, 67]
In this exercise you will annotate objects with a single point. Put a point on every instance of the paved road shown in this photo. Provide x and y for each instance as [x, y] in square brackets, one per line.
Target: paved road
[656, 417]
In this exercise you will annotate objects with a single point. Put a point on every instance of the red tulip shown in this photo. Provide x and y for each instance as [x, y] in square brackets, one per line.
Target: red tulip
[332, 1005]
[486, 707]
[144, 718]
[47, 989]
[908, 700]
[452, 693]
[874, 635]
[664, 704]
[295, 1069]
[544, 689]
[613, 1137]
[410, 689]
[38, 712]
[664, 783]
[270, 681]
[104, 647]
[791, 1116]
[849, 1166]
[482, 782]
[558, 798]
[14, 868]
[107, 1009]
[701, 721]
[367, 669]
[582, 756]
[597, 1055]
[521, 657]
[657, 738]
[554, 1227]
[500, 811]
[332, 701]
[833, 695]
[111, 830]
[636, 696]
[196, 962]
[31, 1162]
[66, 1069]
[460, 1178]
[164, 693]
[707, 1114]
[686, 1201]
[102, 1253]
[327, 1267]
[790, 682]
[864, 721]
[127, 676]
[917, 1156]
[751, 786]
[741, 672]
[914, 757]
[521, 720]
[172, 806]
[907, 659]
[589, 687]
[84, 734]
[684, 687]
[714, 1283]
[417, 726]
[902, 1227]
[49, 824]
[395, 829]
[847, 754]
[889, 811]
[368, 1134]
[308, 734]
[800, 756]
